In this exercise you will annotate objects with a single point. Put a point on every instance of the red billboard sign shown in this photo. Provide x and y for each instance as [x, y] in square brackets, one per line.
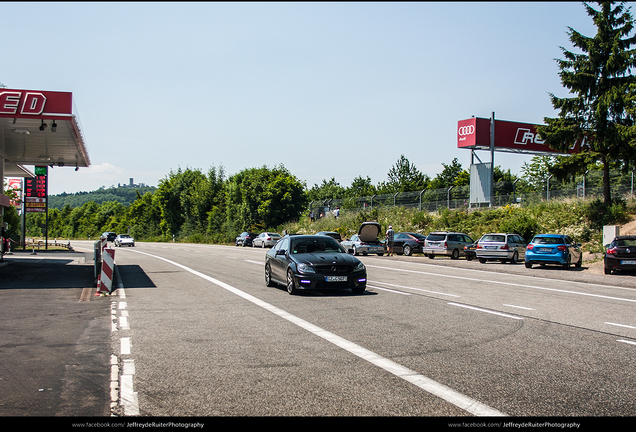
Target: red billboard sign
[474, 133]
[30, 104]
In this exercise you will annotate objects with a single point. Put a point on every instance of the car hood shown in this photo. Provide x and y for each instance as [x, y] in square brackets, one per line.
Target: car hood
[369, 231]
[318, 258]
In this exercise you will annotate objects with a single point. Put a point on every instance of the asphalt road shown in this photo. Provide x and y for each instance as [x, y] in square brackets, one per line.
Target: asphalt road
[195, 332]
[428, 338]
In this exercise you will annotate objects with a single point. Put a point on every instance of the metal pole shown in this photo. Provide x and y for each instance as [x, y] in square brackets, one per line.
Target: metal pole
[492, 157]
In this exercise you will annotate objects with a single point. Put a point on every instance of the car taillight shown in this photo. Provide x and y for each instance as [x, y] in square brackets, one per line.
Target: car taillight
[611, 251]
[530, 247]
[505, 247]
[445, 245]
[562, 248]
[478, 247]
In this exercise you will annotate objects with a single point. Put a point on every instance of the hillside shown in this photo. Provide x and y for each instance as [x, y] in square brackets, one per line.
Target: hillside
[124, 195]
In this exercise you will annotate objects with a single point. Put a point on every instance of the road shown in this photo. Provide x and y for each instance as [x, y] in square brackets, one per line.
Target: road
[197, 333]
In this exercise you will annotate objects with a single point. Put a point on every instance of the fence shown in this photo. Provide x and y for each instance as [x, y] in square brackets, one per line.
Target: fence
[459, 196]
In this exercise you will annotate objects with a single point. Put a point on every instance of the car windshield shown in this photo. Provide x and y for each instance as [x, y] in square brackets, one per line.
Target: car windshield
[306, 245]
[625, 242]
[547, 240]
[494, 238]
[124, 236]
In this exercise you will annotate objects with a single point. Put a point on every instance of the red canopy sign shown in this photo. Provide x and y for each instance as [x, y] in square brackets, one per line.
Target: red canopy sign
[30, 104]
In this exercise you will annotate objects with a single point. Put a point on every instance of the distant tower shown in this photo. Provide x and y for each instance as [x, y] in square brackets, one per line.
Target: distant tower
[131, 182]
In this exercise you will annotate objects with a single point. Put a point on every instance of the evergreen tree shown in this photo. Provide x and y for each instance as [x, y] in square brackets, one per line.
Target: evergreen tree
[599, 80]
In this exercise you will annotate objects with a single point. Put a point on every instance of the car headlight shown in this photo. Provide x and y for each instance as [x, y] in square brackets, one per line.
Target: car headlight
[360, 266]
[305, 268]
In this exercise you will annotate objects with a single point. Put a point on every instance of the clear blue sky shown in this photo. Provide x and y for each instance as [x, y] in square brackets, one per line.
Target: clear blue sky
[326, 89]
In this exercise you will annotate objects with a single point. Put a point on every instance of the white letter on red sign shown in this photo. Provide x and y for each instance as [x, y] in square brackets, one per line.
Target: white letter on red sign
[9, 102]
[33, 104]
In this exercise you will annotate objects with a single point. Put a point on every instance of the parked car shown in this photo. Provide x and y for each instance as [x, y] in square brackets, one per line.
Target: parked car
[501, 246]
[306, 262]
[332, 234]
[110, 236]
[553, 249]
[469, 251]
[446, 243]
[245, 239]
[407, 243]
[124, 240]
[620, 254]
[266, 239]
[366, 241]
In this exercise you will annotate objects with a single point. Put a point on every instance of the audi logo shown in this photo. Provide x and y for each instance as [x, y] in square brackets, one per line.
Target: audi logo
[466, 130]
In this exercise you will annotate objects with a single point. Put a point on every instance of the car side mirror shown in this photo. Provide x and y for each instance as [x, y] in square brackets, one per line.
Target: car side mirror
[281, 252]
[350, 251]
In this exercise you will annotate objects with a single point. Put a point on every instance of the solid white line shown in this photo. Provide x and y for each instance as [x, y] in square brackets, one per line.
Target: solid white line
[626, 341]
[514, 284]
[621, 325]
[486, 310]
[464, 402]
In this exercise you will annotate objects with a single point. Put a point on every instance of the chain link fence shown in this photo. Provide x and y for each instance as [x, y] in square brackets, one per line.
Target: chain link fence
[505, 193]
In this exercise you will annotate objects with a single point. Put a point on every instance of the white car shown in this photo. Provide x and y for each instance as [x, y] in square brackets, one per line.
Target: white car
[266, 239]
[124, 240]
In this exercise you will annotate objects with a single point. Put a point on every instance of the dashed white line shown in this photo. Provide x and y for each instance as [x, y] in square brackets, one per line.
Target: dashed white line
[487, 311]
[518, 307]
[621, 325]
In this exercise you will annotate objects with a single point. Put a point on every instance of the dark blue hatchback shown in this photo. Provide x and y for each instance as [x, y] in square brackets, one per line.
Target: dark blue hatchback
[553, 249]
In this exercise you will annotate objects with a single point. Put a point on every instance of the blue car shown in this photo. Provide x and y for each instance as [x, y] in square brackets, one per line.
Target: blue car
[553, 249]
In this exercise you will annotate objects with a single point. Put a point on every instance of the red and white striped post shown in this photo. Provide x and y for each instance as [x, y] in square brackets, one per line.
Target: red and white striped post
[105, 281]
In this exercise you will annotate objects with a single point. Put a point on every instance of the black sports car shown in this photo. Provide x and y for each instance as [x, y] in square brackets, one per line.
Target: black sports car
[620, 254]
[305, 262]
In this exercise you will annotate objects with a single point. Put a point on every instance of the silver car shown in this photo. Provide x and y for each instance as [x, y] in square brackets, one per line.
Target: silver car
[446, 243]
[502, 247]
[266, 239]
[365, 241]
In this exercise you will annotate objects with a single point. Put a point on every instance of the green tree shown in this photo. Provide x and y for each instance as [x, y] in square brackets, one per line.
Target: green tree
[599, 78]
[451, 175]
[404, 177]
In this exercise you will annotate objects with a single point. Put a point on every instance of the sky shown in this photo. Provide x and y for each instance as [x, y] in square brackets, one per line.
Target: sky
[328, 90]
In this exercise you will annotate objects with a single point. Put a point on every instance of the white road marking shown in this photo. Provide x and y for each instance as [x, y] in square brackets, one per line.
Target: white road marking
[462, 401]
[514, 284]
[621, 325]
[417, 289]
[626, 341]
[486, 310]
[389, 290]
[518, 307]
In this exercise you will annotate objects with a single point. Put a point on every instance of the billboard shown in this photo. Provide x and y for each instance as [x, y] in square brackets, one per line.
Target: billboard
[474, 133]
[35, 191]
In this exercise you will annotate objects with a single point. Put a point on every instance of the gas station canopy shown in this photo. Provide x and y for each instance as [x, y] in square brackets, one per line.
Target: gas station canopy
[38, 128]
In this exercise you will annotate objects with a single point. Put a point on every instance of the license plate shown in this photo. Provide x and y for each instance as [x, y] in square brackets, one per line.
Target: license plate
[545, 250]
[435, 245]
[492, 247]
[335, 278]
[628, 262]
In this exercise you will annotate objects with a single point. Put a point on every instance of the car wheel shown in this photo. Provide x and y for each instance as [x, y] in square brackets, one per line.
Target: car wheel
[515, 258]
[455, 254]
[431, 256]
[291, 283]
[407, 250]
[482, 260]
[579, 263]
[566, 265]
[268, 276]
[355, 251]
[528, 264]
[607, 271]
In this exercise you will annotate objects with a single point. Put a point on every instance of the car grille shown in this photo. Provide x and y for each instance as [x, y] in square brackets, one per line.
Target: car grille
[334, 269]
